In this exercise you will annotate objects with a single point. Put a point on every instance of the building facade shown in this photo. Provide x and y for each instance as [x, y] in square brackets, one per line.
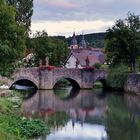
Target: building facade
[81, 55]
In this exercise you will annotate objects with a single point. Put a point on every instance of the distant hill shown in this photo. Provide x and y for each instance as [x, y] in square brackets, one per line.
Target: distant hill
[95, 40]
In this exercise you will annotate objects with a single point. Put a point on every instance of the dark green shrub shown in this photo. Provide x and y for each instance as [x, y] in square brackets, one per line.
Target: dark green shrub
[22, 127]
[117, 76]
[97, 65]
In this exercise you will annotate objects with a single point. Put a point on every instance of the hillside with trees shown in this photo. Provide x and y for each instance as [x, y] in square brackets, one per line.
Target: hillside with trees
[95, 40]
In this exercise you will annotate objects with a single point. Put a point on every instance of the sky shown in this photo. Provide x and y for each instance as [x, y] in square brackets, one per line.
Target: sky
[63, 17]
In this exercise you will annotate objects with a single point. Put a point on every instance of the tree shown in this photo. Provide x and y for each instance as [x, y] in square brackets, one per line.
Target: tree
[123, 41]
[24, 11]
[41, 46]
[12, 39]
[44, 46]
[59, 51]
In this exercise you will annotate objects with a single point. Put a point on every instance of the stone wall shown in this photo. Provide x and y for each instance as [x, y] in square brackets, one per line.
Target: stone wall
[132, 83]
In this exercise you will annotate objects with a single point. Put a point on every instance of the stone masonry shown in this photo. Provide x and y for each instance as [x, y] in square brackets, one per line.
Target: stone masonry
[44, 78]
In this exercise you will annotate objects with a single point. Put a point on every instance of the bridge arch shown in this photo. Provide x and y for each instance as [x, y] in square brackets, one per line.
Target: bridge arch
[25, 81]
[73, 82]
[101, 76]
[102, 81]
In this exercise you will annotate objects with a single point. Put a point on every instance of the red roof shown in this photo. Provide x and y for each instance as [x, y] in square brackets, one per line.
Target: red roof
[94, 56]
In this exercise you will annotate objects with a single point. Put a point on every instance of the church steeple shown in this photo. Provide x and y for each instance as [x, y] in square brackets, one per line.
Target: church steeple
[83, 42]
[74, 44]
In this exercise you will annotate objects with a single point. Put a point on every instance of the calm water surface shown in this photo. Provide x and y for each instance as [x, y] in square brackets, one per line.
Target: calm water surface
[85, 114]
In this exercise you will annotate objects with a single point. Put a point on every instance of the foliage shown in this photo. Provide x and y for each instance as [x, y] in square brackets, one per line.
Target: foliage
[59, 51]
[12, 40]
[117, 76]
[6, 106]
[104, 66]
[5, 136]
[52, 47]
[24, 11]
[97, 65]
[62, 83]
[123, 41]
[22, 127]
[95, 40]
[15, 127]
[41, 46]
[10, 104]
[98, 84]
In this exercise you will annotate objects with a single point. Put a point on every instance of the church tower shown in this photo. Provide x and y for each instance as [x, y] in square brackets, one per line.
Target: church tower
[83, 44]
[74, 44]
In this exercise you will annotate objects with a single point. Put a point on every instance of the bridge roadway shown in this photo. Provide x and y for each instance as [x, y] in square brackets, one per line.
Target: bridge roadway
[43, 78]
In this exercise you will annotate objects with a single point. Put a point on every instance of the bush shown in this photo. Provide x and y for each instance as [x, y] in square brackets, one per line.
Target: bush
[117, 76]
[15, 127]
[97, 65]
[22, 128]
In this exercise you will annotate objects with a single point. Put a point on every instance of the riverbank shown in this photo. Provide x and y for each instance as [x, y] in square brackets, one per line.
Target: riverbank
[13, 125]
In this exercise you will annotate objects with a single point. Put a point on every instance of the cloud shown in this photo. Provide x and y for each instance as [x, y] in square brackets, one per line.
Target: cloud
[67, 27]
[81, 12]
[62, 4]
[83, 9]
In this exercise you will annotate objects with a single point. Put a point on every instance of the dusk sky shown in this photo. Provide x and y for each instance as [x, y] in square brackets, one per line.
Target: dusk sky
[62, 17]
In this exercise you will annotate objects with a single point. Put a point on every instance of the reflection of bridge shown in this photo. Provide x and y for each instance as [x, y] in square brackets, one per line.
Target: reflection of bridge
[85, 101]
[43, 78]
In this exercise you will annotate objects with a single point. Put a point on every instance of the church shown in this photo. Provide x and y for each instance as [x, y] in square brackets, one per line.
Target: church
[81, 55]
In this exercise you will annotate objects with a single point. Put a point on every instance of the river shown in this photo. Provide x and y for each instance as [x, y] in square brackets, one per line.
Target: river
[85, 114]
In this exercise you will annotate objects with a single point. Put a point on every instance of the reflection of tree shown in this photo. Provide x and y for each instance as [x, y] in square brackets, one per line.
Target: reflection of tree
[119, 121]
[58, 119]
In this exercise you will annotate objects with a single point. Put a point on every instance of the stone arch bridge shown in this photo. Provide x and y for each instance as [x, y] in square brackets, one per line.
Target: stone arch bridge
[43, 78]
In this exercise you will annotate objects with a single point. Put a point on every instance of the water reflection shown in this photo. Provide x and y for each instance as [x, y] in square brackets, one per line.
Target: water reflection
[84, 104]
[80, 114]
[133, 103]
[66, 93]
[121, 123]
[87, 116]
[88, 132]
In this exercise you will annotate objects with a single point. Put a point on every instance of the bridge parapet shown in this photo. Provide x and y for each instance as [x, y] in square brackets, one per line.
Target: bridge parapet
[44, 78]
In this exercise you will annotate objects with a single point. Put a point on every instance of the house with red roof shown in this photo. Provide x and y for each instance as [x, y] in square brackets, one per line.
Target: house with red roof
[81, 56]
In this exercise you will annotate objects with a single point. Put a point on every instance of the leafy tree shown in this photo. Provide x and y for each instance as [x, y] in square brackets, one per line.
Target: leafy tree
[44, 46]
[123, 41]
[12, 40]
[24, 11]
[41, 46]
[59, 51]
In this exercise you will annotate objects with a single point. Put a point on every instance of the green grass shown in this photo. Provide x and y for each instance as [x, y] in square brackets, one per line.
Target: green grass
[13, 126]
[105, 66]
[98, 85]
